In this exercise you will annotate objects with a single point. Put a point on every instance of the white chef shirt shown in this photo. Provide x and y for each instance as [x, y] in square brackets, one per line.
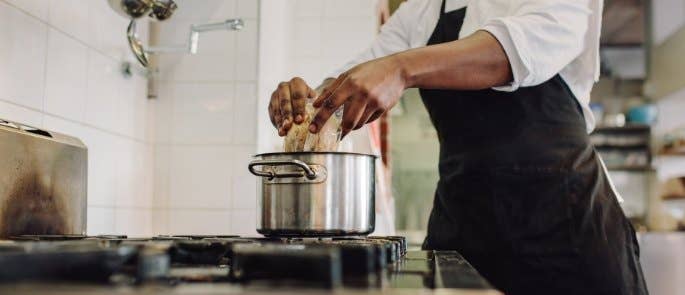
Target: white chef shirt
[541, 38]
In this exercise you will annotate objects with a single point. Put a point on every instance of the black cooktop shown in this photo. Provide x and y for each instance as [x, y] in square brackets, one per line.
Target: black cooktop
[368, 262]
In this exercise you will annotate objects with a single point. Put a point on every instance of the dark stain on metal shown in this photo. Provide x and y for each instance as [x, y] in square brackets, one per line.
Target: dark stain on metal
[32, 208]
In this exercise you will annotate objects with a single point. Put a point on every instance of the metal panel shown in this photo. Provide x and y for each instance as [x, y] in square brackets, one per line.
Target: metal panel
[43, 183]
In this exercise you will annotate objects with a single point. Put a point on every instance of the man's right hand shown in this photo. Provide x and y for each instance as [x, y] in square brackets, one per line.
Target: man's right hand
[288, 104]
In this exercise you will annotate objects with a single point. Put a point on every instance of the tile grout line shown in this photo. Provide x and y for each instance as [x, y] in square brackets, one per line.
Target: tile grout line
[43, 114]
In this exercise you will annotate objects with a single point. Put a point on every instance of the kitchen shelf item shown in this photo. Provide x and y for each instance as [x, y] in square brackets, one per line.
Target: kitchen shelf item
[624, 148]
[315, 193]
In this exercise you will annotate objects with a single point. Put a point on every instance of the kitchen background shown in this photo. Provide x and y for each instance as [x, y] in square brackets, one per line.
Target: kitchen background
[167, 154]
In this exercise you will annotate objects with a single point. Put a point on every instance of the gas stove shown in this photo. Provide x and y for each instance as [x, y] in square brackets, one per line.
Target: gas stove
[243, 262]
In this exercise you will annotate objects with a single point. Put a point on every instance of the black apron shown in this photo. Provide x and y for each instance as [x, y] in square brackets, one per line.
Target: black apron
[522, 194]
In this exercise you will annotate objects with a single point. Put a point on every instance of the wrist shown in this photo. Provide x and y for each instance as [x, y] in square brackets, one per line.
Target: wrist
[404, 71]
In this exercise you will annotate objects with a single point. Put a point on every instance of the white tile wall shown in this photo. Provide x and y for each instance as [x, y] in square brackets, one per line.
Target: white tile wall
[59, 69]
[205, 123]
[177, 164]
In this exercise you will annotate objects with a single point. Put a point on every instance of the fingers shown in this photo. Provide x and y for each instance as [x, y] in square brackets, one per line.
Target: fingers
[328, 91]
[274, 111]
[375, 116]
[328, 107]
[368, 112]
[354, 110]
[299, 91]
[286, 108]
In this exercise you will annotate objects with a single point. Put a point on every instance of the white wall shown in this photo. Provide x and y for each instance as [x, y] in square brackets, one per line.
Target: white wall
[309, 39]
[176, 164]
[59, 70]
[206, 123]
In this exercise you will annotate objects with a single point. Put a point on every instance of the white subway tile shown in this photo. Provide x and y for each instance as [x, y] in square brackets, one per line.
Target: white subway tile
[100, 221]
[308, 38]
[125, 101]
[200, 177]
[70, 16]
[65, 84]
[37, 8]
[131, 175]
[244, 222]
[347, 38]
[19, 114]
[248, 8]
[241, 157]
[102, 167]
[311, 69]
[142, 117]
[104, 84]
[200, 222]
[133, 222]
[199, 128]
[150, 120]
[205, 10]
[22, 56]
[147, 189]
[162, 170]
[304, 8]
[245, 114]
[244, 192]
[197, 68]
[247, 51]
[162, 106]
[160, 222]
[335, 8]
[202, 113]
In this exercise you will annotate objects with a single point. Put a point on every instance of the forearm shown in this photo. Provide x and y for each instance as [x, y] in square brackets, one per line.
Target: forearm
[473, 63]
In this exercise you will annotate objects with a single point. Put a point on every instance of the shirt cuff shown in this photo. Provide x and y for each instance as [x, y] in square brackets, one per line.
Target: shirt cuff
[519, 71]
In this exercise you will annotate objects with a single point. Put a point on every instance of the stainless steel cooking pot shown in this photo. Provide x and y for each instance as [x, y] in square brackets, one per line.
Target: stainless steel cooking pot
[315, 193]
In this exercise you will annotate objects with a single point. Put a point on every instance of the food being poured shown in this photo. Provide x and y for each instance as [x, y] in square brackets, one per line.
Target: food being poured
[299, 139]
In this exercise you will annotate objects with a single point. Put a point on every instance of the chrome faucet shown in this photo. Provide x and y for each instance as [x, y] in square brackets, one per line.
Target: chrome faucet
[162, 10]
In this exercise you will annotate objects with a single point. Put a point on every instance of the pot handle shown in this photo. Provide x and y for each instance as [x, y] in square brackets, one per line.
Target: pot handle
[306, 170]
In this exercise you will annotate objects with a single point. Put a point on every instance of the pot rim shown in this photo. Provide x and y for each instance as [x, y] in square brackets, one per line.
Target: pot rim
[315, 153]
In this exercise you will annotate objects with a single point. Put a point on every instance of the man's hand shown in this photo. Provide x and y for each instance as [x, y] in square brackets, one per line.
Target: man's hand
[287, 104]
[367, 91]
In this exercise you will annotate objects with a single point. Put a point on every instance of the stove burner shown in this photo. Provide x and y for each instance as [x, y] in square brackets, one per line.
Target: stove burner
[79, 261]
[48, 237]
[273, 262]
[323, 262]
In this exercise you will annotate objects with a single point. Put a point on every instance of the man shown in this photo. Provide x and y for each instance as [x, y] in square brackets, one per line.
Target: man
[522, 193]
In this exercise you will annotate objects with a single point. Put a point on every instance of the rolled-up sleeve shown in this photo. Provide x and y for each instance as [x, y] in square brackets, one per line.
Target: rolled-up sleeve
[393, 37]
[540, 38]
